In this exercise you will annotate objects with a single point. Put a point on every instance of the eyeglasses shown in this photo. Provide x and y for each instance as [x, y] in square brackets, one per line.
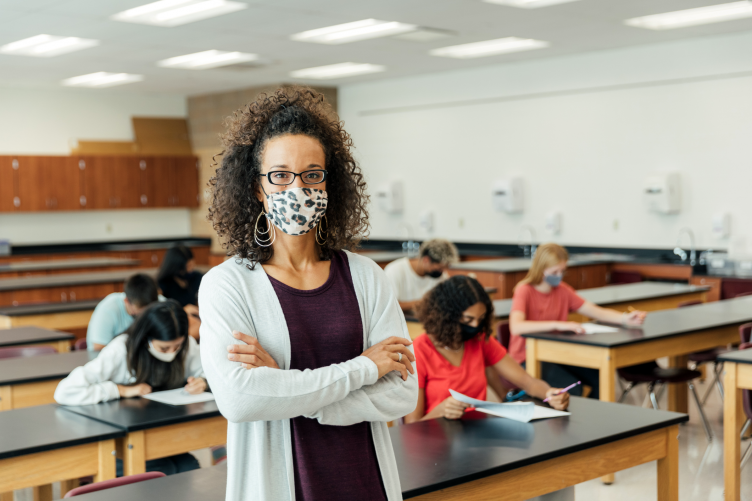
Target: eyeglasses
[284, 178]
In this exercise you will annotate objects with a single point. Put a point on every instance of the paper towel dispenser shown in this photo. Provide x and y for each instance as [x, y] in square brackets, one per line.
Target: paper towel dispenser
[390, 197]
[662, 193]
[507, 195]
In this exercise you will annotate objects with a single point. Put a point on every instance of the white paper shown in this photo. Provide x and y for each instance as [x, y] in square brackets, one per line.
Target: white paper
[540, 412]
[179, 397]
[597, 328]
[517, 411]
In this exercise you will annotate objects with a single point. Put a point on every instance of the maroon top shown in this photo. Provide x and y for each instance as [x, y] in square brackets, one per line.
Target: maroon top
[330, 462]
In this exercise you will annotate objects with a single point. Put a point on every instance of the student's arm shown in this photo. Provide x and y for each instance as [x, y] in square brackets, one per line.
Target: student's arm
[97, 346]
[632, 319]
[494, 381]
[408, 306]
[509, 369]
[450, 408]
[518, 325]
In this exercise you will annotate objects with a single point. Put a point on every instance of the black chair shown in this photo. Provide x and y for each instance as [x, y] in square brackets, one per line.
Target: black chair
[707, 357]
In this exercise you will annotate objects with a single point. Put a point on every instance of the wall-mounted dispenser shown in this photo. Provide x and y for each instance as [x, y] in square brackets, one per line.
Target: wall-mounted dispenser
[663, 193]
[507, 195]
[553, 222]
[721, 225]
[390, 197]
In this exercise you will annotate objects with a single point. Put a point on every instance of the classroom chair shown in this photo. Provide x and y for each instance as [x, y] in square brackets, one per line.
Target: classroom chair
[625, 277]
[747, 407]
[742, 294]
[745, 333]
[115, 482]
[80, 345]
[26, 351]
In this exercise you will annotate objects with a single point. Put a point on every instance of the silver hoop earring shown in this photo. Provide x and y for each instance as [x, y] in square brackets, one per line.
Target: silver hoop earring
[261, 241]
[320, 234]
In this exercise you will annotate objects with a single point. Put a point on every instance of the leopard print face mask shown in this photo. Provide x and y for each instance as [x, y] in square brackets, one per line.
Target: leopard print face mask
[298, 210]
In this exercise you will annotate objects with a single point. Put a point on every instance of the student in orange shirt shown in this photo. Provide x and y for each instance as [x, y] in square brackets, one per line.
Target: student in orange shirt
[542, 302]
[456, 349]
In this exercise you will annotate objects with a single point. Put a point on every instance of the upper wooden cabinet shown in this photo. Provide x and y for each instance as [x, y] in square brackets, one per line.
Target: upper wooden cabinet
[47, 184]
[7, 184]
[96, 182]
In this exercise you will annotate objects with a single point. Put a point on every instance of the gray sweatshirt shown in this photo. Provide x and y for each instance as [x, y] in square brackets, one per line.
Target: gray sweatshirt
[259, 403]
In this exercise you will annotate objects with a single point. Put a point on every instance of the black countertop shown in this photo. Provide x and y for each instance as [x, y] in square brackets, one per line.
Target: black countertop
[434, 455]
[25, 310]
[664, 323]
[124, 245]
[19, 336]
[65, 264]
[739, 356]
[24, 370]
[47, 427]
[64, 280]
[523, 264]
[134, 414]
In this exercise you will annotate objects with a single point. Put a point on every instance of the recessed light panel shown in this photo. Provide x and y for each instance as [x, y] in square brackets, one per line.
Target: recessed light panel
[353, 32]
[693, 17]
[47, 46]
[176, 12]
[102, 79]
[207, 59]
[337, 71]
[489, 48]
[528, 4]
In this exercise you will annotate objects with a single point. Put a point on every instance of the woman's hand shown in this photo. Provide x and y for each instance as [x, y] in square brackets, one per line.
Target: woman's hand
[451, 408]
[635, 318]
[559, 402]
[386, 356]
[135, 390]
[251, 355]
[575, 327]
[196, 385]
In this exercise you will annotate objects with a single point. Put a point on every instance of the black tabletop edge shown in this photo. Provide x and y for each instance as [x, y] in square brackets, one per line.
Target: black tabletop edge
[149, 426]
[61, 445]
[35, 379]
[52, 339]
[44, 308]
[676, 419]
[737, 357]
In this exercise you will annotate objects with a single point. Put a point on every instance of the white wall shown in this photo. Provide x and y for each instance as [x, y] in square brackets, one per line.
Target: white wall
[583, 131]
[44, 122]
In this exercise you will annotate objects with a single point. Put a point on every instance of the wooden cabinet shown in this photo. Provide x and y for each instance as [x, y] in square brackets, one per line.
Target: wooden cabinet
[714, 294]
[47, 184]
[185, 181]
[170, 181]
[7, 184]
[110, 182]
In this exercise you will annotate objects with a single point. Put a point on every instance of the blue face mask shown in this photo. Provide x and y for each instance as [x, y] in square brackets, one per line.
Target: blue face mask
[552, 280]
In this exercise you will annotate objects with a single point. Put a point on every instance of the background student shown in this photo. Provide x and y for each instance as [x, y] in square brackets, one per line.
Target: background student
[456, 349]
[411, 278]
[155, 354]
[115, 313]
[178, 278]
[542, 302]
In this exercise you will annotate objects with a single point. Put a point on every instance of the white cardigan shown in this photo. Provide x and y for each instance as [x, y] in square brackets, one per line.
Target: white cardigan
[97, 380]
[259, 403]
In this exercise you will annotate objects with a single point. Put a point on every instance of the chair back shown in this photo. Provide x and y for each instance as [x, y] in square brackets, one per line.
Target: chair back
[742, 294]
[80, 345]
[625, 277]
[746, 394]
[745, 332]
[26, 351]
[115, 482]
[503, 334]
[689, 303]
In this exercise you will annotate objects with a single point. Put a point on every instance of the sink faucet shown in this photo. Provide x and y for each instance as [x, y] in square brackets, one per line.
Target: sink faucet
[409, 245]
[680, 252]
[528, 250]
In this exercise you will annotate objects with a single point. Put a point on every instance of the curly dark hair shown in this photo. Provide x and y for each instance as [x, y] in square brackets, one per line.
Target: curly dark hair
[289, 110]
[441, 309]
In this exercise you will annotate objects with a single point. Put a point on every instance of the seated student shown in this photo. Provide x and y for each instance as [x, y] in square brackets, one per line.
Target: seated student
[411, 278]
[155, 354]
[115, 313]
[177, 277]
[456, 349]
[542, 302]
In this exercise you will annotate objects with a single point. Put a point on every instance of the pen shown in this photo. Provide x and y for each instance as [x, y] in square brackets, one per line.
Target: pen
[468, 409]
[513, 398]
[564, 390]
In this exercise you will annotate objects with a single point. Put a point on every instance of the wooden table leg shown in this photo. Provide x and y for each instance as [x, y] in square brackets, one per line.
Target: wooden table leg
[106, 465]
[63, 346]
[668, 467]
[6, 496]
[677, 393]
[607, 375]
[6, 401]
[532, 364]
[134, 454]
[68, 485]
[43, 492]
[732, 401]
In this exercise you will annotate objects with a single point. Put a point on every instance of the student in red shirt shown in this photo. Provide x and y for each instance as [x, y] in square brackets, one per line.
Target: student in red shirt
[456, 349]
[542, 302]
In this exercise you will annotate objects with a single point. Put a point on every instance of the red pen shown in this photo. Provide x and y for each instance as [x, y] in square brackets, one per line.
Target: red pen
[468, 409]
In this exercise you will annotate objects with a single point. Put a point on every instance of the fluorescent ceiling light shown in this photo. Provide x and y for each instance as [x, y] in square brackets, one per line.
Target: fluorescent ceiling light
[102, 79]
[528, 4]
[693, 17]
[353, 32]
[47, 46]
[207, 59]
[177, 12]
[337, 71]
[489, 47]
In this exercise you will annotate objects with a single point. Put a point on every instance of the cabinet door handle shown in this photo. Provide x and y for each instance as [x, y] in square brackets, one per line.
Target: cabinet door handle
[144, 199]
[82, 200]
[142, 165]
[15, 164]
[63, 297]
[16, 202]
[72, 296]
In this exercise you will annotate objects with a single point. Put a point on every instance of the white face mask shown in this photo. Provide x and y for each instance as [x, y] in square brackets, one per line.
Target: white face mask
[161, 356]
[298, 210]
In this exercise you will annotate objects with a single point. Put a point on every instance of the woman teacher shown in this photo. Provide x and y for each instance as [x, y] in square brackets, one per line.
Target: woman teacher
[319, 357]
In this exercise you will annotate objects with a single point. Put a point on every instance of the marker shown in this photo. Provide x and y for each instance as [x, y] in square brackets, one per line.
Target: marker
[564, 390]
[516, 397]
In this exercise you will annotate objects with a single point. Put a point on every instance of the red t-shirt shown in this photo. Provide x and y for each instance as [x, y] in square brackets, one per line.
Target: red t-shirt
[537, 306]
[436, 375]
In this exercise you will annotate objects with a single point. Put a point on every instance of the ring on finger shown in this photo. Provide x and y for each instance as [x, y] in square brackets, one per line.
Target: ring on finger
[400, 357]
